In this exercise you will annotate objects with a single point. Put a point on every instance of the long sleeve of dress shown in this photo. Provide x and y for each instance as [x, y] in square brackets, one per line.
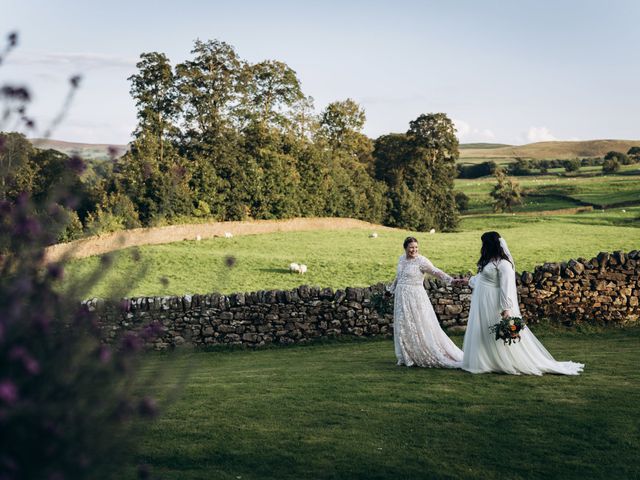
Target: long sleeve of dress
[427, 267]
[508, 291]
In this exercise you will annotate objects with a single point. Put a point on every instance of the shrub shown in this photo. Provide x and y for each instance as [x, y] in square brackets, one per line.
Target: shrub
[610, 165]
[620, 157]
[462, 201]
[572, 165]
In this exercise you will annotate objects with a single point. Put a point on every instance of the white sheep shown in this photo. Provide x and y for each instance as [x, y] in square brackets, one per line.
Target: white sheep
[228, 235]
[373, 235]
[303, 269]
[432, 231]
[294, 268]
[198, 238]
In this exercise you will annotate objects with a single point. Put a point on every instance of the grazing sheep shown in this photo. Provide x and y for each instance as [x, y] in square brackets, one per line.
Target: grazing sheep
[432, 231]
[303, 269]
[198, 238]
[373, 235]
[294, 268]
[228, 235]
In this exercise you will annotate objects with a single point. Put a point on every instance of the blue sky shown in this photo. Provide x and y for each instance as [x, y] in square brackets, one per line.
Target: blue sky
[505, 71]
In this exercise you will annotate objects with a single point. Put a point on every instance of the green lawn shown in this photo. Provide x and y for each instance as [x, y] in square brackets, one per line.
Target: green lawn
[346, 258]
[344, 410]
[551, 192]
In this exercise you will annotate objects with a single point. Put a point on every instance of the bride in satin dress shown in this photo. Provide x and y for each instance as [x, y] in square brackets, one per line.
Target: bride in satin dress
[418, 338]
[495, 295]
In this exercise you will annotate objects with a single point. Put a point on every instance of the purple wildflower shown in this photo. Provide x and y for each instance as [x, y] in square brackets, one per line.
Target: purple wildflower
[131, 342]
[104, 354]
[8, 392]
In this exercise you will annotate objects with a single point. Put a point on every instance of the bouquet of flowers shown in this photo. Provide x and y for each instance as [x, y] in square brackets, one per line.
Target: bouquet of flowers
[508, 329]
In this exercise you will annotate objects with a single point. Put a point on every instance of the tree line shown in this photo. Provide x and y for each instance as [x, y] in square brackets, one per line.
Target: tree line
[610, 163]
[221, 138]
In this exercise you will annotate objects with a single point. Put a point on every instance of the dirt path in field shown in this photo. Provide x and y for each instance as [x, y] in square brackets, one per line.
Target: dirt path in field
[87, 247]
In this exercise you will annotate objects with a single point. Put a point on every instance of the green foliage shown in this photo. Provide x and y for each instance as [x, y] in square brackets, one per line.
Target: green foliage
[17, 172]
[506, 193]
[462, 201]
[522, 166]
[340, 124]
[572, 165]
[72, 227]
[116, 212]
[620, 157]
[419, 169]
[610, 165]
[476, 170]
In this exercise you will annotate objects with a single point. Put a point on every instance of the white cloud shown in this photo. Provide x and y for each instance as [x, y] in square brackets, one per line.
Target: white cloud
[76, 61]
[539, 134]
[468, 133]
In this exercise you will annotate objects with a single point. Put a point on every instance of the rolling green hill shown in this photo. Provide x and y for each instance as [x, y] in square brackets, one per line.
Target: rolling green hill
[469, 152]
[88, 151]
[546, 150]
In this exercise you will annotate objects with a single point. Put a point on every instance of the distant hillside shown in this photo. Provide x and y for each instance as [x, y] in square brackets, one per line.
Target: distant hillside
[548, 150]
[469, 152]
[88, 151]
[466, 146]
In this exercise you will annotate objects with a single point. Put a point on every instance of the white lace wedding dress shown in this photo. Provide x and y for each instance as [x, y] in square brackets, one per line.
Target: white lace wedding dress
[494, 290]
[418, 338]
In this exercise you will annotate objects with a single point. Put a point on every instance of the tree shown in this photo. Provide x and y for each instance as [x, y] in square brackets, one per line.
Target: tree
[431, 168]
[154, 91]
[522, 166]
[390, 156]
[158, 189]
[341, 123]
[16, 171]
[572, 165]
[506, 193]
[610, 165]
[634, 151]
[620, 157]
[272, 89]
[462, 201]
[210, 89]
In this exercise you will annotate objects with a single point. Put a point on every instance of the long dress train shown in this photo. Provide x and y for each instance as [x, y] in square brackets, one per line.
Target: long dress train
[418, 338]
[494, 290]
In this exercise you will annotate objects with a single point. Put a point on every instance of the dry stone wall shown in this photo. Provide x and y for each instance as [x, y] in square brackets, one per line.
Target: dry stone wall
[604, 289]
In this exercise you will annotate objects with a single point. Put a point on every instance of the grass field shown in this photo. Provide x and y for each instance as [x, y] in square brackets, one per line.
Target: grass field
[549, 192]
[344, 410]
[348, 258]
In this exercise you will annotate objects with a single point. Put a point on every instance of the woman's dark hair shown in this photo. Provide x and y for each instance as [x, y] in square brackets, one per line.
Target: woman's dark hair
[409, 240]
[491, 250]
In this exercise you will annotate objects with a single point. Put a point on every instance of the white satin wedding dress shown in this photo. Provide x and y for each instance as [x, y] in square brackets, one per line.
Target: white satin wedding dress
[494, 290]
[417, 335]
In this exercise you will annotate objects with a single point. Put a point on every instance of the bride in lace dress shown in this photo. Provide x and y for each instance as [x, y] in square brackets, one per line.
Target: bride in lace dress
[418, 338]
[495, 295]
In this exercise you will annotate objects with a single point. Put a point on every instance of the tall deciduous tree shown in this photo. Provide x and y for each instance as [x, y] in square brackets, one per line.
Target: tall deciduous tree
[211, 88]
[154, 91]
[272, 89]
[420, 167]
